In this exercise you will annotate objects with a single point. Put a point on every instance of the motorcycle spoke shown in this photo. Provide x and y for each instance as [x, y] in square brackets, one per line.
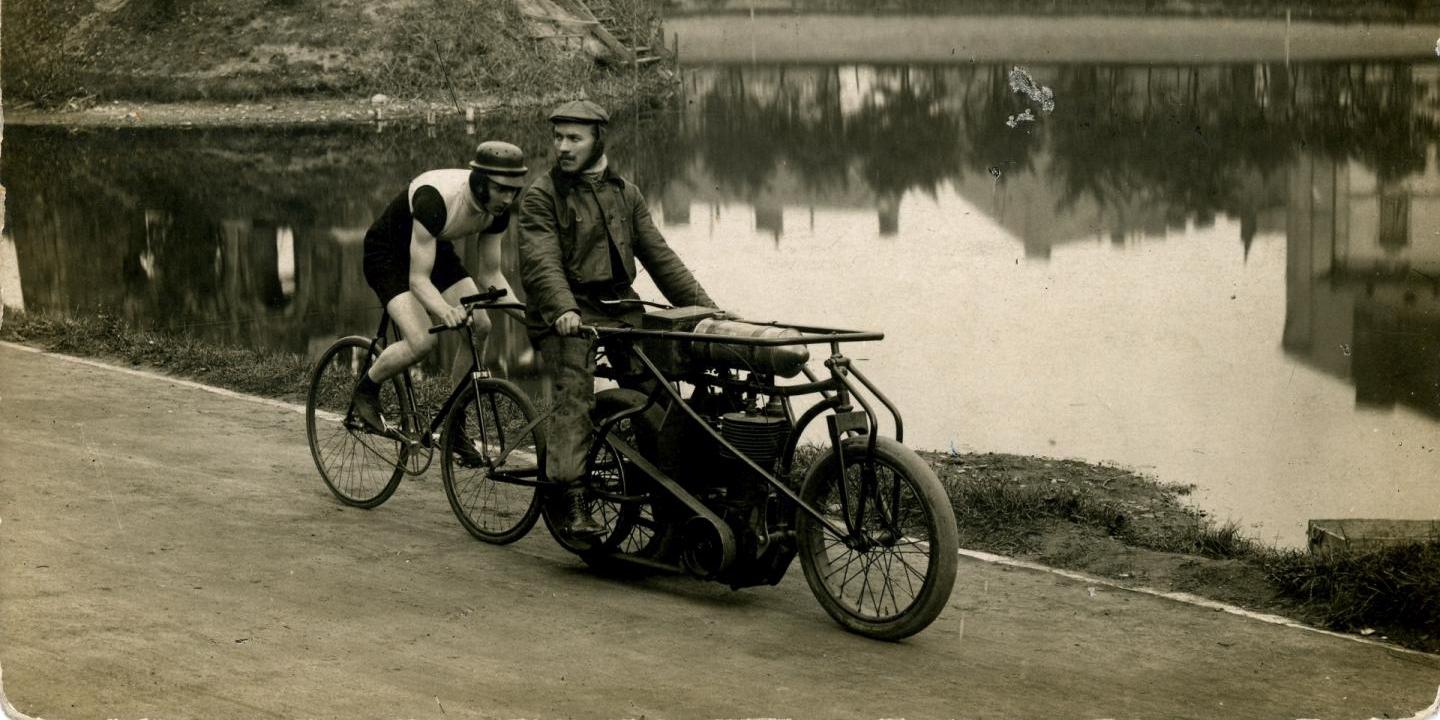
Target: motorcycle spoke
[910, 585]
[853, 555]
[865, 573]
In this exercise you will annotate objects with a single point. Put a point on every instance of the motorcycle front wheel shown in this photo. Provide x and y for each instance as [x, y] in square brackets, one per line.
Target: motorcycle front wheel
[893, 575]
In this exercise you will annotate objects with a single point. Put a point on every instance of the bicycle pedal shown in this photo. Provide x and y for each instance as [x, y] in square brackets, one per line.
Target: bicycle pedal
[394, 433]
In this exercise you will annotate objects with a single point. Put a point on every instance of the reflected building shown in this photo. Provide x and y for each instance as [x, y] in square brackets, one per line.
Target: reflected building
[1363, 279]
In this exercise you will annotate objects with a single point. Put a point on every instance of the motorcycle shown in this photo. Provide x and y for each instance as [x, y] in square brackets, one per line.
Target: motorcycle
[697, 466]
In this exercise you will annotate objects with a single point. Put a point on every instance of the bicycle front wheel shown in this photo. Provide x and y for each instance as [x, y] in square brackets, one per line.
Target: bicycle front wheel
[492, 456]
[360, 467]
[891, 578]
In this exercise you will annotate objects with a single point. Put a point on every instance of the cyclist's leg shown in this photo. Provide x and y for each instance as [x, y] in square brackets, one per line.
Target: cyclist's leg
[387, 271]
[479, 323]
[414, 343]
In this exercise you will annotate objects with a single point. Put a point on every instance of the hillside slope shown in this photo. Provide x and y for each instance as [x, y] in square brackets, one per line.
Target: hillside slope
[168, 50]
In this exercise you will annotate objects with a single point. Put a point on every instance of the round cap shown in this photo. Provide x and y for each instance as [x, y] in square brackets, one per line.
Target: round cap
[502, 162]
[581, 111]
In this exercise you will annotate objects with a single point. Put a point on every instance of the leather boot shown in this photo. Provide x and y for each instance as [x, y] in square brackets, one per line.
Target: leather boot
[578, 521]
[366, 407]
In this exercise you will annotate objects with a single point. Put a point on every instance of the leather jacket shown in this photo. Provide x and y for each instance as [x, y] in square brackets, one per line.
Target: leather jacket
[579, 241]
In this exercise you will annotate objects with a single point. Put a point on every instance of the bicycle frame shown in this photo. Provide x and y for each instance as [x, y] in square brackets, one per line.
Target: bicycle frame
[430, 437]
[838, 391]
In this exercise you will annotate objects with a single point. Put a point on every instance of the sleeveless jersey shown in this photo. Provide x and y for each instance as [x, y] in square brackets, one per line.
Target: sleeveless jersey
[442, 202]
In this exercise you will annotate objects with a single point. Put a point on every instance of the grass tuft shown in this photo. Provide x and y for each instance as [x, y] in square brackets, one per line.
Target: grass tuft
[1353, 590]
[273, 374]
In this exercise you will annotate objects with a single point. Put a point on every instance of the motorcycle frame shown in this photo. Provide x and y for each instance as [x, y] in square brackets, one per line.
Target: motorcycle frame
[838, 390]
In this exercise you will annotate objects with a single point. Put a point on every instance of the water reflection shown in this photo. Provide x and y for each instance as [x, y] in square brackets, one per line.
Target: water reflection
[1363, 279]
[253, 237]
[1131, 151]
[243, 237]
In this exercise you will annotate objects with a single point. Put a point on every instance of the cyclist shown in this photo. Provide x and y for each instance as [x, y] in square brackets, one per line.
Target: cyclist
[582, 227]
[411, 263]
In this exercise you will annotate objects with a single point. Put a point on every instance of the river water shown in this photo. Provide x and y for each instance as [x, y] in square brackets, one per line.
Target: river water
[1225, 274]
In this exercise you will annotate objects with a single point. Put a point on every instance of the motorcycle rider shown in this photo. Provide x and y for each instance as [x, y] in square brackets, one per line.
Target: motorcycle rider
[582, 227]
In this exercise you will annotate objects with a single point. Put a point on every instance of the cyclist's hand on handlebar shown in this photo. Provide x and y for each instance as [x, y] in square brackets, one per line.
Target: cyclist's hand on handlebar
[454, 316]
[568, 324]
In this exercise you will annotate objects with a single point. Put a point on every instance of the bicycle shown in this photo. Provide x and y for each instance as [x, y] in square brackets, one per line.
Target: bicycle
[486, 429]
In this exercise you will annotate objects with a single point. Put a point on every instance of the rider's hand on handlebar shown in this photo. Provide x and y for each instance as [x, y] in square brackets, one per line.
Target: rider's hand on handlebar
[568, 324]
[454, 316]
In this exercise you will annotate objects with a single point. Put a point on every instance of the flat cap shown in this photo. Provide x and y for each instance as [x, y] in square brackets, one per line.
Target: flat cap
[581, 111]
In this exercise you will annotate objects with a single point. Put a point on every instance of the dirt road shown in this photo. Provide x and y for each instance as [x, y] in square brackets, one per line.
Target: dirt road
[166, 552]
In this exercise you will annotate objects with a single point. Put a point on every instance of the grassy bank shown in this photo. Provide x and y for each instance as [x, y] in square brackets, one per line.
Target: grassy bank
[1113, 522]
[69, 52]
[1095, 518]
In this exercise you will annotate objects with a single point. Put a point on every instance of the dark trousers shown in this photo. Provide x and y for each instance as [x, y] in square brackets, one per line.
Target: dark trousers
[570, 363]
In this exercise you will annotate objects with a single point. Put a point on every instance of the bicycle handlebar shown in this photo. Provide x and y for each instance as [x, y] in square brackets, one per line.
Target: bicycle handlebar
[483, 301]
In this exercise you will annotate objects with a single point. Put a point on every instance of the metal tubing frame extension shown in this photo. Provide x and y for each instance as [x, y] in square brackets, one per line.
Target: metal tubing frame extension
[841, 385]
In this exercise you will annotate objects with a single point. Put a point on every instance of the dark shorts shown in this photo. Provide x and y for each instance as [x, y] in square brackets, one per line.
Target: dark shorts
[387, 267]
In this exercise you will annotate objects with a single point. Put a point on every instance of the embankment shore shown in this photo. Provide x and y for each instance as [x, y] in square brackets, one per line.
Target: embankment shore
[862, 39]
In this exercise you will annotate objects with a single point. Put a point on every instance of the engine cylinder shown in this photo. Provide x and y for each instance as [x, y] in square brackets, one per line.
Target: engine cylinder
[759, 436]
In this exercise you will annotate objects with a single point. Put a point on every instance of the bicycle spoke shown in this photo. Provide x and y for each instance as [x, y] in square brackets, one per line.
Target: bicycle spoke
[863, 572]
[908, 584]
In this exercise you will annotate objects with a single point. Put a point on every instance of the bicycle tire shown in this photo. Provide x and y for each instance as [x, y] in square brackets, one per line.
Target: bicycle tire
[928, 533]
[362, 469]
[493, 419]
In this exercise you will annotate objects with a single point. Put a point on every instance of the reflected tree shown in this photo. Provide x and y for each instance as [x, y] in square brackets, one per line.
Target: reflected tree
[903, 137]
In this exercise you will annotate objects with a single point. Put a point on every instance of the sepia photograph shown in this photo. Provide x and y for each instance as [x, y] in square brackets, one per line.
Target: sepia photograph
[702, 359]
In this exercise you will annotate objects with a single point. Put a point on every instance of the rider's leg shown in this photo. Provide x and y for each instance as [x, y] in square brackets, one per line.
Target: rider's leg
[415, 342]
[571, 366]
[480, 326]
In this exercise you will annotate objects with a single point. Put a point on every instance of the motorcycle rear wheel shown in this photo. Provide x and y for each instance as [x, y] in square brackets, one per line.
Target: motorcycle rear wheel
[631, 528]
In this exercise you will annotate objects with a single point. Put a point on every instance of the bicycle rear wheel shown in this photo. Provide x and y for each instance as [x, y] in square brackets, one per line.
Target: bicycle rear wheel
[492, 456]
[360, 467]
[894, 576]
